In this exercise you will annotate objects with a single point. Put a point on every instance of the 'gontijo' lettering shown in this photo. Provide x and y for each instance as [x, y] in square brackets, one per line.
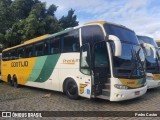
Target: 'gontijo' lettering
[19, 64]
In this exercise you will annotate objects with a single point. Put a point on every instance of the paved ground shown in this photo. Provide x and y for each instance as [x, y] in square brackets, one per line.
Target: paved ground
[32, 99]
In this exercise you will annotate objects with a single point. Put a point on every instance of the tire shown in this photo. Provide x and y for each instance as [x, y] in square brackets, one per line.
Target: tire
[71, 89]
[15, 82]
[1, 81]
[10, 81]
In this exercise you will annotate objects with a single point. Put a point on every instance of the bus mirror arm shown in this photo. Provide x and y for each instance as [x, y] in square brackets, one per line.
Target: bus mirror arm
[117, 42]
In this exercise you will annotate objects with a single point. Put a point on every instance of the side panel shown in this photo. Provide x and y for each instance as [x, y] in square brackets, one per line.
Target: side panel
[69, 68]
[45, 73]
[22, 68]
[49, 72]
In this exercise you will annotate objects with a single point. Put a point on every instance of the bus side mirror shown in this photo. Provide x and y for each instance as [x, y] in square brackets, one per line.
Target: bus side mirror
[117, 42]
[148, 48]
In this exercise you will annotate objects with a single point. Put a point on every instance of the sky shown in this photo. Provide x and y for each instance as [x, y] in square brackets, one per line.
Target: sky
[142, 16]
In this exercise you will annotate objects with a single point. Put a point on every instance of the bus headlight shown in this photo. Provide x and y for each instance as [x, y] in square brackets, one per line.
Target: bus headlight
[120, 86]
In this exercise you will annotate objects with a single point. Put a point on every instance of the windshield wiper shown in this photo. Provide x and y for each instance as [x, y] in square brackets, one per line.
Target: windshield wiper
[137, 62]
[141, 68]
[133, 61]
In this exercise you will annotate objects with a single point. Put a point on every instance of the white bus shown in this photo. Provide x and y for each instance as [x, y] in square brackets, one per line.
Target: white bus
[152, 61]
[96, 60]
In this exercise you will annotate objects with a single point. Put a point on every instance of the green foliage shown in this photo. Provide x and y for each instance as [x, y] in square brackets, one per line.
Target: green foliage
[69, 20]
[21, 20]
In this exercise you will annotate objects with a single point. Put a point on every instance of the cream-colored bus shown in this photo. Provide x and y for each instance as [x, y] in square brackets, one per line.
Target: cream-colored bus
[152, 61]
[97, 60]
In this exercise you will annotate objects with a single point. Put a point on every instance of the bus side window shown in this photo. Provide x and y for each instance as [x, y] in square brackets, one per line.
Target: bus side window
[55, 45]
[20, 53]
[29, 51]
[13, 55]
[46, 48]
[5, 56]
[9, 55]
[70, 42]
[39, 49]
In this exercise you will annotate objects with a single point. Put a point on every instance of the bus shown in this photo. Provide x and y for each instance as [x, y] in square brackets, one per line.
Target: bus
[96, 60]
[152, 61]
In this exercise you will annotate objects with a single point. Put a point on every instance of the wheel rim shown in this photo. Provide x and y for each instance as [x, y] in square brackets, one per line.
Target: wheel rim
[72, 89]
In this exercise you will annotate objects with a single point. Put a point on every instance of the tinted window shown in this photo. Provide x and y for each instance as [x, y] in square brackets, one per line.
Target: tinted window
[148, 40]
[92, 34]
[55, 45]
[101, 59]
[20, 53]
[9, 55]
[39, 49]
[122, 33]
[70, 42]
[46, 48]
[5, 56]
[13, 54]
[29, 51]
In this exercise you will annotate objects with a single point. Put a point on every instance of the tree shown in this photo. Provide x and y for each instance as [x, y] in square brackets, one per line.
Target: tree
[5, 15]
[51, 10]
[70, 20]
[29, 19]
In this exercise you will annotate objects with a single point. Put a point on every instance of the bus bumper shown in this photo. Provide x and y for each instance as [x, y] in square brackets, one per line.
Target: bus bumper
[119, 94]
[153, 83]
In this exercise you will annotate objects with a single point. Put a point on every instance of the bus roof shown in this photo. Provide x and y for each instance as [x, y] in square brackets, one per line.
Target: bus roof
[105, 22]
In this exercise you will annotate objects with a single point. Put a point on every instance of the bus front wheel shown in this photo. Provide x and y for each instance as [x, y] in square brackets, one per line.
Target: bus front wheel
[71, 89]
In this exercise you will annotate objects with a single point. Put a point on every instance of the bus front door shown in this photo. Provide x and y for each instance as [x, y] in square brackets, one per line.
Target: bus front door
[85, 69]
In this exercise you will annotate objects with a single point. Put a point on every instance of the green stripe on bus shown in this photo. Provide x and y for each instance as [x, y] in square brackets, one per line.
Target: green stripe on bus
[37, 68]
[48, 68]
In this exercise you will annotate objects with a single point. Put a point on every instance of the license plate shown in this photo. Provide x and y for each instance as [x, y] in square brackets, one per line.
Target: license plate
[137, 92]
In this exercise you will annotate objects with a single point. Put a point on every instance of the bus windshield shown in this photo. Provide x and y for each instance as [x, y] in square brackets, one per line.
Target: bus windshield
[131, 62]
[144, 39]
[152, 64]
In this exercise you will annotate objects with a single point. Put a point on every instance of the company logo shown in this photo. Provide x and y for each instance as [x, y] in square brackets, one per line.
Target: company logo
[6, 114]
[21, 114]
[130, 82]
[70, 61]
[19, 64]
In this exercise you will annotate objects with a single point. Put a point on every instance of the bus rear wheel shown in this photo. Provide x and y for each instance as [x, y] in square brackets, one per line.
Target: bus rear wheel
[15, 82]
[71, 89]
[10, 81]
[1, 81]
